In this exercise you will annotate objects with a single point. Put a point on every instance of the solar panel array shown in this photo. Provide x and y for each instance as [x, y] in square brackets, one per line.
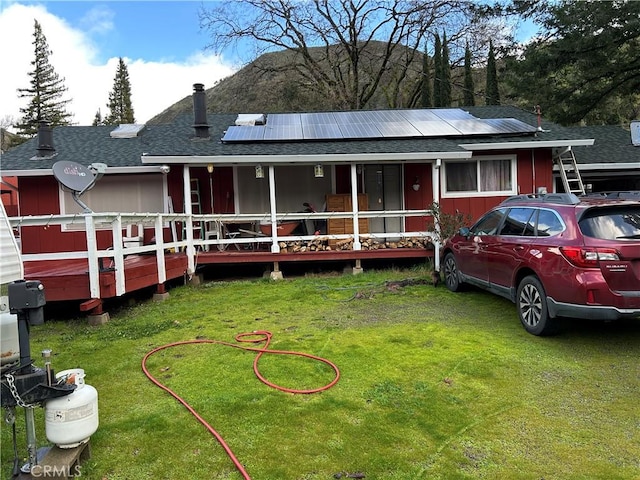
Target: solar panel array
[360, 124]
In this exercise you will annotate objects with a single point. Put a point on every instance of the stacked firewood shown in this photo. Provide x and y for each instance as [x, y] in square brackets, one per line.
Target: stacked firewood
[322, 244]
[301, 246]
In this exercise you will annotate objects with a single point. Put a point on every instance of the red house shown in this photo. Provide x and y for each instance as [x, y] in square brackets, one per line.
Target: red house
[207, 189]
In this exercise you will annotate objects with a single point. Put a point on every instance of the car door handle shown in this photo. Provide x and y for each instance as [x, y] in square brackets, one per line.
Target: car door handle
[518, 248]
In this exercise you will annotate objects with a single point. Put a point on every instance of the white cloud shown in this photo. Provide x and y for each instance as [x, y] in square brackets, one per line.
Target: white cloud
[98, 20]
[155, 85]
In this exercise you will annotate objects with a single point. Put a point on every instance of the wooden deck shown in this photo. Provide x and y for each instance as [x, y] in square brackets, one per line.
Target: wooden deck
[66, 280]
[69, 279]
[98, 272]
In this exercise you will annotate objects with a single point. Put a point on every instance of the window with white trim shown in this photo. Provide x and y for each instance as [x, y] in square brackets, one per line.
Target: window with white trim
[480, 177]
[142, 193]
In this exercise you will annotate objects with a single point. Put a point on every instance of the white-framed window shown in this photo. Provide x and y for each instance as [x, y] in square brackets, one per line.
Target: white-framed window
[480, 177]
[141, 193]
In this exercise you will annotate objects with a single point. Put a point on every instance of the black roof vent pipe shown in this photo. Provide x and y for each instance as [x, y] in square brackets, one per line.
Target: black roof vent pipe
[45, 140]
[200, 111]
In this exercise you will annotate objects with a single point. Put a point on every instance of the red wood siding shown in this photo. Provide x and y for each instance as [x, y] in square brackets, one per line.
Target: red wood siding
[534, 170]
[9, 195]
[417, 200]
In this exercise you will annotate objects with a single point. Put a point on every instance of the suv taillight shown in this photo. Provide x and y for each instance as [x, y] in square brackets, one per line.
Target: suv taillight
[588, 257]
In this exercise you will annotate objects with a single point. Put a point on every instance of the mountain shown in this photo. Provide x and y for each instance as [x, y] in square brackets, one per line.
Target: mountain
[270, 85]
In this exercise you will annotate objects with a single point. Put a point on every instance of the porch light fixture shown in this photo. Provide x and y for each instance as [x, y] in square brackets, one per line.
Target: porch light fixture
[318, 171]
[259, 171]
[165, 169]
[210, 168]
[416, 184]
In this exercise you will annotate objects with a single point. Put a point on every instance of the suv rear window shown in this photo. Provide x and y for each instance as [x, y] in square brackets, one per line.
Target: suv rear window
[612, 223]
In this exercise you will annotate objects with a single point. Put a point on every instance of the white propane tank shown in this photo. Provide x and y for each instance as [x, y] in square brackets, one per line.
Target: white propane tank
[9, 341]
[71, 420]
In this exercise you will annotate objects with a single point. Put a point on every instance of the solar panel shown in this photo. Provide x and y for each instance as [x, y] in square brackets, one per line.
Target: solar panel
[283, 132]
[351, 117]
[317, 119]
[420, 116]
[436, 129]
[320, 131]
[398, 129]
[386, 116]
[284, 119]
[510, 125]
[360, 124]
[473, 127]
[360, 130]
[452, 114]
[237, 133]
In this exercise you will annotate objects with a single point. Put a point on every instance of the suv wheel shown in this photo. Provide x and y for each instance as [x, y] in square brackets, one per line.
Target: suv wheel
[531, 302]
[451, 278]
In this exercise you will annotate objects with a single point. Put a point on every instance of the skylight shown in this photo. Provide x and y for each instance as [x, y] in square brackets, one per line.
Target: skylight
[127, 130]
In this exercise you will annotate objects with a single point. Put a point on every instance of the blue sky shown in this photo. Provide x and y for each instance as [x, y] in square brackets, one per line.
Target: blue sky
[153, 30]
[160, 41]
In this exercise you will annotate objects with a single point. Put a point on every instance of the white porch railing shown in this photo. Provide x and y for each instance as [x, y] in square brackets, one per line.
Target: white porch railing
[118, 222]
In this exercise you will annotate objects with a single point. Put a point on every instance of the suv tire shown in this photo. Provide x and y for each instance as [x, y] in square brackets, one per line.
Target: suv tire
[451, 277]
[531, 302]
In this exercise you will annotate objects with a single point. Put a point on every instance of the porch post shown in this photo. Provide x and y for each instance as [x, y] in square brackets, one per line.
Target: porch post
[354, 202]
[435, 184]
[118, 256]
[275, 248]
[92, 256]
[159, 234]
[191, 251]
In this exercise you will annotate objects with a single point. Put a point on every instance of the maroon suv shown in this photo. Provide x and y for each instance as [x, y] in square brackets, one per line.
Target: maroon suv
[555, 255]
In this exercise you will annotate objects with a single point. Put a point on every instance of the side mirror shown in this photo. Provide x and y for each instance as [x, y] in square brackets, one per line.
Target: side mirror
[464, 232]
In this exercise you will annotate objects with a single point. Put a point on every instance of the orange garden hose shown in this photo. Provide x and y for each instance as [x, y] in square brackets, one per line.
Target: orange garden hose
[261, 336]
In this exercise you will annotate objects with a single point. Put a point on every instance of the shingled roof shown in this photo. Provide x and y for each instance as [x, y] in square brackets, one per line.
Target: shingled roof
[612, 145]
[89, 144]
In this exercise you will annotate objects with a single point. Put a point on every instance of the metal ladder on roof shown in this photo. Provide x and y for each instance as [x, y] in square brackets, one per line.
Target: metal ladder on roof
[569, 172]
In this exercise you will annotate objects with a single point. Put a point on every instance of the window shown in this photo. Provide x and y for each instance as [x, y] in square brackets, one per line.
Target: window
[518, 222]
[615, 223]
[549, 224]
[485, 177]
[488, 225]
[141, 193]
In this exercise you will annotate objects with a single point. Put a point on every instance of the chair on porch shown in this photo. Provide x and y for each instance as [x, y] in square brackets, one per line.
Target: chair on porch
[134, 236]
[214, 229]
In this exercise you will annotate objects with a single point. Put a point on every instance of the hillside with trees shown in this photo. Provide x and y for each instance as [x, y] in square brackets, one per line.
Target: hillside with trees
[580, 67]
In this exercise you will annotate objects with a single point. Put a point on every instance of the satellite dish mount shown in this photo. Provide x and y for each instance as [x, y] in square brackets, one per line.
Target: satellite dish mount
[78, 179]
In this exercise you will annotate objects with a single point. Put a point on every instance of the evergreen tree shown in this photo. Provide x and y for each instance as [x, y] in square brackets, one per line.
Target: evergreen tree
[584, 63]
[492, 96]
[46, 91]
[445, 92]
[437, 73]
[97, 120]
[121, 110]
[469, 98]
[425, 90]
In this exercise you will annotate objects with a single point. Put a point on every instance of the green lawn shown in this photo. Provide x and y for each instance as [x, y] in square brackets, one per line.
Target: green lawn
[433, 385]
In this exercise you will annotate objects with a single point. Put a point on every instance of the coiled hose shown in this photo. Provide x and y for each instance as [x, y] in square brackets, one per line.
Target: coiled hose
[260, 336]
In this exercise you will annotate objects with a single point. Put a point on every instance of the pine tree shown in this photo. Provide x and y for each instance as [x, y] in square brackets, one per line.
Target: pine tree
[445, 92]
[425, 90]
[121, 110]
[46, 91]
[97, 120]
[469, 97]
[492, 95]
[437, 73]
